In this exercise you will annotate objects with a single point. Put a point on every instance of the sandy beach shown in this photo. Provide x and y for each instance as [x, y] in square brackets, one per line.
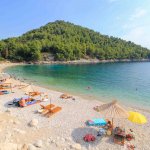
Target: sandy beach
[64, 130]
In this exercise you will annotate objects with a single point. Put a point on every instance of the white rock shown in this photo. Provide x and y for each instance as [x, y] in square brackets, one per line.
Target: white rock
[11, 121]
[68, 139]
[58, 138]
[19, 131]
[38, 143]
[8, 110]
[53, 141]
[76, 146]
[31, 147]
[63, 140]
[33, 123]
[8, 146]
[16, 122]
[24, 147]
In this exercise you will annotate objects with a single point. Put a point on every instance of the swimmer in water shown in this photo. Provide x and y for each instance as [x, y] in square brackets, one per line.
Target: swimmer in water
[88, 88]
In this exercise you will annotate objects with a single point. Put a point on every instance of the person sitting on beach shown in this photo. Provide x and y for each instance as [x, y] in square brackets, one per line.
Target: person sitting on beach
[108, 125]
[22, 102]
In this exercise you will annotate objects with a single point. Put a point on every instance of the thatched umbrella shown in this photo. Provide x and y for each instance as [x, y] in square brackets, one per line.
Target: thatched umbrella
[28, 88]
[4, 76]
[112, 110]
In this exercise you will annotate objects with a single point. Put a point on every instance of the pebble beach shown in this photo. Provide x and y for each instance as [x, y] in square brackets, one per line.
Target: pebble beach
[26, 129]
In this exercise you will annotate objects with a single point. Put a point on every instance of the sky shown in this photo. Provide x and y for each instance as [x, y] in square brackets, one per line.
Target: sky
[126, 19]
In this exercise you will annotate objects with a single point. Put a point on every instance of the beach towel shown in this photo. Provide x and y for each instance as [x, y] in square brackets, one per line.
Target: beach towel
[96, 122]
[4, 92]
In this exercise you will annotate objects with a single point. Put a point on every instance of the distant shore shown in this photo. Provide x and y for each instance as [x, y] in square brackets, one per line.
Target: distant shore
[86, 61]
[81, 61]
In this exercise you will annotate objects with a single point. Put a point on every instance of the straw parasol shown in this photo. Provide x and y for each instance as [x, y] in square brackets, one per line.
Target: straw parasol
[28, 88]
[112, 110]
[4, 76]
[136, 117]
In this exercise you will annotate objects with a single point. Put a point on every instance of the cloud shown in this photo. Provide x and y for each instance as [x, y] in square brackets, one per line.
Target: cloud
[139, 13]
[137, 28]
[139, 35]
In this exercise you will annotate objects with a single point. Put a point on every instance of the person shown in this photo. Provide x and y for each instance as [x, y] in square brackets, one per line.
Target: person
[88, 88]
[22, 102]
[108, 125]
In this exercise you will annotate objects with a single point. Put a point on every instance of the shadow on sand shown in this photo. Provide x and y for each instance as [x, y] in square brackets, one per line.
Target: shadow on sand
[79, 133]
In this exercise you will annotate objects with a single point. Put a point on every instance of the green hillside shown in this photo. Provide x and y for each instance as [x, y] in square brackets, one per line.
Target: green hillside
[66, 41]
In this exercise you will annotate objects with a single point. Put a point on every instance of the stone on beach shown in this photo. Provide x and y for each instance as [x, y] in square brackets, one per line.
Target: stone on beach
[38, 143]
[33, 123]
[24, 147]
[31, 147]
[9, 146]
[8, 110]
[19, 131]
[16, 122]
[76, 146]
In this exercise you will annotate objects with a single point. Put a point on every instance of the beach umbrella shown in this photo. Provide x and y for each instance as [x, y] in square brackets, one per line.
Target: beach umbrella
[28, 88]
[136, 117]
[4, 76]
[112, 110]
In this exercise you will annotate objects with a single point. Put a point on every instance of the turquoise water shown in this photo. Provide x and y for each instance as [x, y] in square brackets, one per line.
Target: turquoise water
[129, 83]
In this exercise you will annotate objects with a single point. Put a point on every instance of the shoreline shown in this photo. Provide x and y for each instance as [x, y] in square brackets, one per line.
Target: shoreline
[81, 61]
[86, 98]
[92, 61]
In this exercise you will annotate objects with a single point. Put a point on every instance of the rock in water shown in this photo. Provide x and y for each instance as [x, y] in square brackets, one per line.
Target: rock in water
[33, 123]
[38, 143]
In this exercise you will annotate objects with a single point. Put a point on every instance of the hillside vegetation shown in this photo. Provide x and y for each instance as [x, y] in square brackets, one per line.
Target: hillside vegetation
[66, 41]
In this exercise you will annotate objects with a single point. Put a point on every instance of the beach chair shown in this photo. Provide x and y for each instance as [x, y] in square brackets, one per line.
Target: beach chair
[96, 122]
[53, 111]
[45, 109]
[65, 96]
[34, 93]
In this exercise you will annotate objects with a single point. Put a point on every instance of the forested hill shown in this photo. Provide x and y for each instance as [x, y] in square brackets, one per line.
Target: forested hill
[66, 41]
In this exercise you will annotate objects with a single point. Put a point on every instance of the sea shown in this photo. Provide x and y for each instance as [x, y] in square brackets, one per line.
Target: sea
[127, 82]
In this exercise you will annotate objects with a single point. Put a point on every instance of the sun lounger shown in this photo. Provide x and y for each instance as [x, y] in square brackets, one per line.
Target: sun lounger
[45, 109]
[47, 106]
[34, 93]
[96, 122]
[65, 96]
[53, 111]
